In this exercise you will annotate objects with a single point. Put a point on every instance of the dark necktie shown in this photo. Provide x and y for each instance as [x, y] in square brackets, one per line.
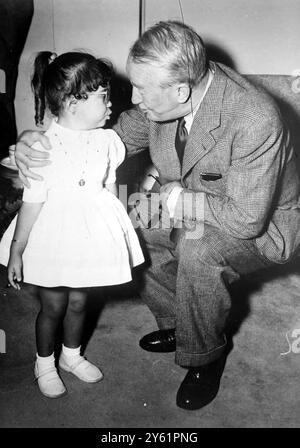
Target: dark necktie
[181, 138]
[180, 142]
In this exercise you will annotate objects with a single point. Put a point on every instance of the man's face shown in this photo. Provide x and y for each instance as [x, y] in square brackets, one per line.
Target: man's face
[158, 103]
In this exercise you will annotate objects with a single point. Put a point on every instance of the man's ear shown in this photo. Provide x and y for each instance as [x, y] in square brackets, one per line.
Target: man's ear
[183, 93]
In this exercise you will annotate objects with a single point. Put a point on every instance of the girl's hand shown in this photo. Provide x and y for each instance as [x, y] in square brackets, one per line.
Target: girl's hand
[15, 270]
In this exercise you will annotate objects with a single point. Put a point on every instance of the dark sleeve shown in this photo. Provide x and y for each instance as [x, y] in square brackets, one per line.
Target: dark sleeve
[133, 129]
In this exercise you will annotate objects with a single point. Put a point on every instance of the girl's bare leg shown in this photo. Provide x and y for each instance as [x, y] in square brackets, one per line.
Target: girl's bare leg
[54, 302]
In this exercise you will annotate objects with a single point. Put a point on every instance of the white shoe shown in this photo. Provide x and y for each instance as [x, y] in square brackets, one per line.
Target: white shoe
[49, 382]
[83, 369]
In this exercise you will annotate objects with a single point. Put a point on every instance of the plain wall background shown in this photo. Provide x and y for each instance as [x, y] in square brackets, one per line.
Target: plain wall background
[254, 36]
[260, 36]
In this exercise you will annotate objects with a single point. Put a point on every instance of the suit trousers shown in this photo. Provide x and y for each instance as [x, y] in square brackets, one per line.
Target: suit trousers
[186, 286]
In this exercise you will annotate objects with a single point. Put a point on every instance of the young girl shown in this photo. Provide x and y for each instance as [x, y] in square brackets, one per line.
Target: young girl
[71, 231]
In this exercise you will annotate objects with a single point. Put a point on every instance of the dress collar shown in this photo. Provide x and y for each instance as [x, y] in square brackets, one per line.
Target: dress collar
[66, 132]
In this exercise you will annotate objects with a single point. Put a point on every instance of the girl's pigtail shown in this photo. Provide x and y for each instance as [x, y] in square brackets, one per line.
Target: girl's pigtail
[41, 64]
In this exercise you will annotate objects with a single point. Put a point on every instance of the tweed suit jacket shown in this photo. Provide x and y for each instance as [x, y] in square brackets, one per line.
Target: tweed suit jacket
[238, 135]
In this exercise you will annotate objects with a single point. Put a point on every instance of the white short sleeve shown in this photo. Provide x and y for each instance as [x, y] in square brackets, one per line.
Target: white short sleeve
[116, 155]
[38, 189]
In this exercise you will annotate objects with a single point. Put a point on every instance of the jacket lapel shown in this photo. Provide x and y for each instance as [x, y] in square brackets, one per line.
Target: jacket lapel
[208, 118]
[162, 150]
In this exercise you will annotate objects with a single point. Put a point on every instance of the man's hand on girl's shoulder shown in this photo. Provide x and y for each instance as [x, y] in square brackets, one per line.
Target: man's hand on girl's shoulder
[27, 157]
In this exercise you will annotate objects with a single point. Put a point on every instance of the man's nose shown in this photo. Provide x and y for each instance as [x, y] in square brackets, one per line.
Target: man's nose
[109, 104]
[135, 96]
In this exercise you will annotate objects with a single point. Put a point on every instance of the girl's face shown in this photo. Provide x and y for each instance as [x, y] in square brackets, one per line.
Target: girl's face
[94, 111]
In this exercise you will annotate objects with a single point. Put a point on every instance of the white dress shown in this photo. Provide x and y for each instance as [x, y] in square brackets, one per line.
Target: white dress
[83, 236]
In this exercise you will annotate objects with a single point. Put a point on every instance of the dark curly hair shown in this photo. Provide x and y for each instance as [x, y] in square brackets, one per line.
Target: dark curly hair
[70, 74]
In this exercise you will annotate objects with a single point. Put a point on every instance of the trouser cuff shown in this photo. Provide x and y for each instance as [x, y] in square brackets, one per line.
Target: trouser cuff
[165, 323]
[199, 359]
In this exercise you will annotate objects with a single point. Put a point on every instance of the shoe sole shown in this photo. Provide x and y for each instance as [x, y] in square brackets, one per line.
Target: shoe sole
[81, 379]
[156, 349]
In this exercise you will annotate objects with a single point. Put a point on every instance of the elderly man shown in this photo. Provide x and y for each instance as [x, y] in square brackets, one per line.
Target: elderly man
[219, 144]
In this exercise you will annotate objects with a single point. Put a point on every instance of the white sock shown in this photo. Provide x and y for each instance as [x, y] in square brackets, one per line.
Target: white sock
[71, 352]
[44, 362]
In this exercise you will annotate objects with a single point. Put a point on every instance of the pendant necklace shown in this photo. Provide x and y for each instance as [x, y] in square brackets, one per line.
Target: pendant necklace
[82, 180]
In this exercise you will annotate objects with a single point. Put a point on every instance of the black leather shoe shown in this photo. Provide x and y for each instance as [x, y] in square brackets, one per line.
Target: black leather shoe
[200, 385]
[161, 341]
